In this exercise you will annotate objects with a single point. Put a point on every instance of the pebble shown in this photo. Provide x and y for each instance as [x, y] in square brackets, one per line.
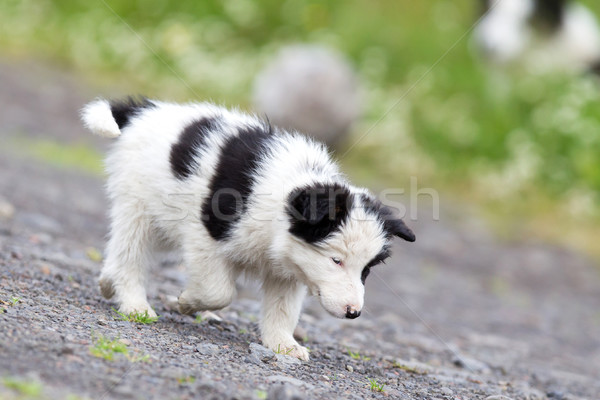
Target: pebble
[261, 352]
[284, 392]
[286, 360]
[288, 379]
[446, 391]
[350, 368]
[557, 395]
[470, 364]
[207, 349]
[498, 397]
[7, 210]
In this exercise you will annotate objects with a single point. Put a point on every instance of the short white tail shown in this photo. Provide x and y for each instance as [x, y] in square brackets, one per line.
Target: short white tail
[98, 118]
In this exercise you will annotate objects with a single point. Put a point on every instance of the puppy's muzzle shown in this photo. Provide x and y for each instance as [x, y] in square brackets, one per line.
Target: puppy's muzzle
[352, 313]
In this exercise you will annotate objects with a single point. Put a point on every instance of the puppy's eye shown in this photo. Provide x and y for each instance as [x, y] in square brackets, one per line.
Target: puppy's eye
[336, 260]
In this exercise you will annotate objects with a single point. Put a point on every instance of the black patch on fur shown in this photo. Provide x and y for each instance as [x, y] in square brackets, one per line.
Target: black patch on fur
[124, 110]
[548, 15]
[234, 177]
[318, 210]
[378, 259]
[192, 139]
[392, 225]
[485, 6]
[595, 69]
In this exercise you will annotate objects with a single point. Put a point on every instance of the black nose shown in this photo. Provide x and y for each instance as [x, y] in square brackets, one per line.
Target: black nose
[352, 314]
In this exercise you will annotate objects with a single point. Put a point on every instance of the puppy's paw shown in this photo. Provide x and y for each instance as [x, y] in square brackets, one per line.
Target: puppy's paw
[187, 304]
[299, 352]
[291, 348]
[106, 287]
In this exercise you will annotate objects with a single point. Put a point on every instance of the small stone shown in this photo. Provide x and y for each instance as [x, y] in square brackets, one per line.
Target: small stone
[349, 368]
[263, 354]
[126, 342]
[7, 210]
[327, 356]
[446, 391]
[207, 349]
[66, 351]
[498, 397]
[45, 269]
[556, 395]
[286, 360]
[284, 392]
[470, 364]
[287, 379]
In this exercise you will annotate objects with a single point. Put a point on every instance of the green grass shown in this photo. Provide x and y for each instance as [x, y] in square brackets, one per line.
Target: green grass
[408, 368]
[107, 349]
[375, 386]
[13, 301]
[68, 156]
[199, 319]
[507, 140]
[283, 351]
[261, 394]
[186, 380]
[357, 356]
[137, 317]
[25, 387]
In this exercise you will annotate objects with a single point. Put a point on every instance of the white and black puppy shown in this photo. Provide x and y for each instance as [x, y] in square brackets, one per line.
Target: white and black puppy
[546, 34]
[235, 195]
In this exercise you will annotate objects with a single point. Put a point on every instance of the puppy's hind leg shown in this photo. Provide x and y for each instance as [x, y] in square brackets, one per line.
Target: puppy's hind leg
[127, 256]
[211, 281]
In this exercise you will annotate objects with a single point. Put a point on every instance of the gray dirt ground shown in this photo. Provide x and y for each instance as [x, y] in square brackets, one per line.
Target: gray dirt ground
[457, 315]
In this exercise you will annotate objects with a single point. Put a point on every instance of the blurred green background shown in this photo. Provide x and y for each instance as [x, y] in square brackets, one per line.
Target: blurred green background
[522, 149]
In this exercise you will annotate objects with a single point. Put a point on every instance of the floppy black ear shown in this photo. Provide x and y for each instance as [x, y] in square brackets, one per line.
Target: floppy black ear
[393, 225]
[316, 211]
[398, 228]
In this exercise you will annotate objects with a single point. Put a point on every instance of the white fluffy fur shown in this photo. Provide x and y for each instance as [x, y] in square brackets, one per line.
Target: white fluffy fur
[505, 35]
[151, 208]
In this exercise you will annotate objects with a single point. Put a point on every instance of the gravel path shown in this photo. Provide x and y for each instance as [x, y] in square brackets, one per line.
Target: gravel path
[457, 315]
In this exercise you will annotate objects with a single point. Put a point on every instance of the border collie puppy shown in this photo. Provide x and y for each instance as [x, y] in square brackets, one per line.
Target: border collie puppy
[546, 34]
[235, 195]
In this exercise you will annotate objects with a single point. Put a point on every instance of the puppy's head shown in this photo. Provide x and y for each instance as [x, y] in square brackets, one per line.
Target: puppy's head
[336, 235]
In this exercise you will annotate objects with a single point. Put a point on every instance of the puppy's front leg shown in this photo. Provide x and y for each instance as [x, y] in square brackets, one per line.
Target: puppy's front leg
[282, 303]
